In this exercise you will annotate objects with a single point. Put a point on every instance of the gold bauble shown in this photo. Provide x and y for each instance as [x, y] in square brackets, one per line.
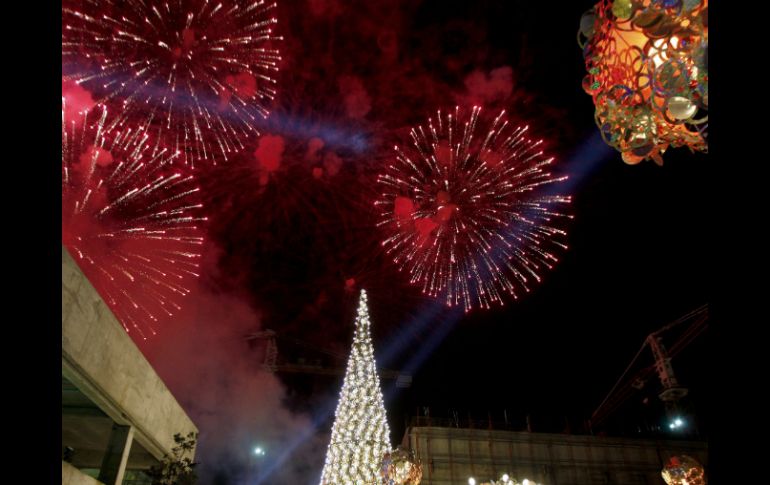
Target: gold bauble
[683, 470]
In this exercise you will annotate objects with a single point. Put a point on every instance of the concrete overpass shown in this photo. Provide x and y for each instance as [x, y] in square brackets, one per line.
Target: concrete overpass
[117, 414]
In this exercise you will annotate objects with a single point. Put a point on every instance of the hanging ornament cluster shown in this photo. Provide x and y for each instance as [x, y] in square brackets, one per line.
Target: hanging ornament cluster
[400, 467]
[647, 63]
[683, 470]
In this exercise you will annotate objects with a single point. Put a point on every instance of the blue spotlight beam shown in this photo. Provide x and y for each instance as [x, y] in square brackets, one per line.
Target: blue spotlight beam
[581, 163]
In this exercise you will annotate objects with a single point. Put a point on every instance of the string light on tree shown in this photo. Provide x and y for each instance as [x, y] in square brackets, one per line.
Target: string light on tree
[197, 73]
[360, 433]
[471, 218]
[130, 218]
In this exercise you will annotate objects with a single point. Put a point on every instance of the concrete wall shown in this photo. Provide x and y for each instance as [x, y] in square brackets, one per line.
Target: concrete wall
[104, 363]
[72, 476]
[450, 456]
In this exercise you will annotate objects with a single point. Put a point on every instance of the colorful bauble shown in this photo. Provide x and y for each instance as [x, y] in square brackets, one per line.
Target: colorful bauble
[400, 467]
[683, 470]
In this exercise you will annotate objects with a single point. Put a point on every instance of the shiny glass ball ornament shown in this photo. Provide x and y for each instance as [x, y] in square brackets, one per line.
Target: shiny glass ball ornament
[683, 470]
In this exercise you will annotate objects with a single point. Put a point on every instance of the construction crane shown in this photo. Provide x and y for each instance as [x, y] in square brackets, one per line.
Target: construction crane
[672, 391]
[271, 362]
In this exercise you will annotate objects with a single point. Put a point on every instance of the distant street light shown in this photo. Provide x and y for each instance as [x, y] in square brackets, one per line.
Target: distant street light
[676, 423]
[259, 451]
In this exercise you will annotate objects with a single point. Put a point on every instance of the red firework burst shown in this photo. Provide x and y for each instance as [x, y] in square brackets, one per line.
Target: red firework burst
[469, 218]
[196, 73]
[130, 219]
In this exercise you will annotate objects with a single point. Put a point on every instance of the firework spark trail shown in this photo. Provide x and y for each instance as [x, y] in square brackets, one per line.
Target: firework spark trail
[196, 74]
[130, 219]
[465, 215]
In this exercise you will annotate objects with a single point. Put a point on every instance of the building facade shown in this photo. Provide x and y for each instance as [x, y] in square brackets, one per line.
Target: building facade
[450, 456]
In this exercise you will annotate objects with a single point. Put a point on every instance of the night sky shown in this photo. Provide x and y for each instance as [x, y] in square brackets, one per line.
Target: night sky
[289, 247]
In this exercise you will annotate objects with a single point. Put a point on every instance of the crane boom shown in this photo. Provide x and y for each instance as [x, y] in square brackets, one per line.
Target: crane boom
[672, 391]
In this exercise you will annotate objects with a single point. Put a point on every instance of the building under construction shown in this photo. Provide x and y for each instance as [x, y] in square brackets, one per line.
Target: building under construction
[450, 455]
[454, 451]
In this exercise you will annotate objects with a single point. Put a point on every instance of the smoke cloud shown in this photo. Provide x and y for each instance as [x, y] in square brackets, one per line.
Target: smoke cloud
[215, 374]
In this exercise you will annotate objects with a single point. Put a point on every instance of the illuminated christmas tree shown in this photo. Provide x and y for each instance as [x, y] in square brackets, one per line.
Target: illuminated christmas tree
[360, 434]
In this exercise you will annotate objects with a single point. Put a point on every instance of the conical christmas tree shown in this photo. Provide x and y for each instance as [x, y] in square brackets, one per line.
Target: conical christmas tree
[360, 434]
